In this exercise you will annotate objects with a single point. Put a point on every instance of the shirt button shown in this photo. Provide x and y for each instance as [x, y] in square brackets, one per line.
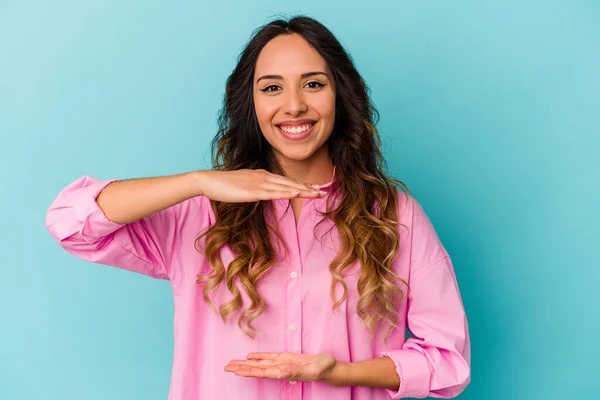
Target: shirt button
[292, 382]
[294, 274]
[291, 327]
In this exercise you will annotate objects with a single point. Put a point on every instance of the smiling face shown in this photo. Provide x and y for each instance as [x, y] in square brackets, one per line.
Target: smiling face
[294, 99]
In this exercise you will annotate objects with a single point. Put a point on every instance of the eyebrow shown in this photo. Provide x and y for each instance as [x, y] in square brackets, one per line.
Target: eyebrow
[303, 76]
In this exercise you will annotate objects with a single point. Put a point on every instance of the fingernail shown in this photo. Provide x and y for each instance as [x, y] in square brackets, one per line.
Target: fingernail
[316, 186]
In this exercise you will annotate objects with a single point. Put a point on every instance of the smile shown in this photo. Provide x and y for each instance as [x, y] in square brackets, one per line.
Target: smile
[296, 132]
[296, 129]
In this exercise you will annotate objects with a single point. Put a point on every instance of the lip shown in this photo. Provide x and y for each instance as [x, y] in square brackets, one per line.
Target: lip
[297, 137]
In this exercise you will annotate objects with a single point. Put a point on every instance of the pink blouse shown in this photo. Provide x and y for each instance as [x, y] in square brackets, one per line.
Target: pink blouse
[434, 361]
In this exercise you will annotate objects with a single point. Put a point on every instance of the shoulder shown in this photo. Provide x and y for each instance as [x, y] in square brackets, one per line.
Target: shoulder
[426, 247]
[410, 212]
[405, 209]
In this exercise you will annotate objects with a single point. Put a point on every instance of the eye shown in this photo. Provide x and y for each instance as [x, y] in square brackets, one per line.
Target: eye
[270, 88]
[314, 85]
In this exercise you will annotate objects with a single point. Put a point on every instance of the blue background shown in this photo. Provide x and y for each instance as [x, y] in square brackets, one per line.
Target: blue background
[490, 113]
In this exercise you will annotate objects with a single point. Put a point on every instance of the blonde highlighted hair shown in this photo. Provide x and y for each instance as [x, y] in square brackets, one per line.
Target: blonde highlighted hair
[366, 215]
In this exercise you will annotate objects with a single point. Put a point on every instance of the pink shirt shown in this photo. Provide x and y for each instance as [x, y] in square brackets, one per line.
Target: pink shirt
[434, 362]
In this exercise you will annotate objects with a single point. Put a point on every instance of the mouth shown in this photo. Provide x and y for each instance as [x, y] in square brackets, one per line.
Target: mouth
[296, 132]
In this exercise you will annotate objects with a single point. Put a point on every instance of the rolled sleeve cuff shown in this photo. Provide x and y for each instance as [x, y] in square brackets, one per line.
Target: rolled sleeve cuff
[95, 223]
[413, 369]
[86, 217]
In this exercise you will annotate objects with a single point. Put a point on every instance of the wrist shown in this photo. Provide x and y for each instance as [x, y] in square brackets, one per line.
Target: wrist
[200, 181]
[338, 375]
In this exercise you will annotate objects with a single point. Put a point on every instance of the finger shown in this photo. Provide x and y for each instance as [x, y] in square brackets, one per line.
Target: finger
[272, 356]
[282, 193]
[312, 185]
[278, 194]
[276, 187]
[266, 373]
[232, 367]
[253, 363]
[282, 180]
[304, 191]
[263, 356]
[306, 194]
[307, 190]
[314, 194]
[237, 362]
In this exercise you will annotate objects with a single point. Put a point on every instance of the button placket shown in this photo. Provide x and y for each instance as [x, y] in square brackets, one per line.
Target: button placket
[292, 282]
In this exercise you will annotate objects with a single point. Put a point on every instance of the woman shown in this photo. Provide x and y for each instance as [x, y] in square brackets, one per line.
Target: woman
[296, 263]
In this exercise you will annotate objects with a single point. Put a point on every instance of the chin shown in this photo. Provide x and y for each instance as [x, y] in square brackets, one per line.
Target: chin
[296, 154]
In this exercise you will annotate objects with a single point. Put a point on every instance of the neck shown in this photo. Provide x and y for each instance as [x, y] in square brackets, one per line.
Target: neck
[317, 169]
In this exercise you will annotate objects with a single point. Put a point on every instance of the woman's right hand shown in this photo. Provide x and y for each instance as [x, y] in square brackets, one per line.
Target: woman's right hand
[249, 185]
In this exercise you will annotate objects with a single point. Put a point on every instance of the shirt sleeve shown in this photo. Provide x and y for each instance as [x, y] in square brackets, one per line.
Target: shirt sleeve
[146, 246]
[435, 361]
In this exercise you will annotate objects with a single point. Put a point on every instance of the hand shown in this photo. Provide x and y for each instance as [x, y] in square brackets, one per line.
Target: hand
[288, 366]
[248, 185]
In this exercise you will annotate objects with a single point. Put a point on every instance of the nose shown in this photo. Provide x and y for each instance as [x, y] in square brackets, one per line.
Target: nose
[294, 103]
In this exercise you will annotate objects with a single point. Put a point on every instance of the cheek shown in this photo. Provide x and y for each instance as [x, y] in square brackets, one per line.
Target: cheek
[326, 107]
[265, 110]
[327, 112]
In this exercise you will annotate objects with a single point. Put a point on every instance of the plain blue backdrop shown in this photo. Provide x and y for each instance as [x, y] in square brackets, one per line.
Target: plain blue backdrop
[490, 112]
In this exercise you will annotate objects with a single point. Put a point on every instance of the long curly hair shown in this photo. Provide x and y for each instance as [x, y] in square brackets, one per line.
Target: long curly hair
[366, 215]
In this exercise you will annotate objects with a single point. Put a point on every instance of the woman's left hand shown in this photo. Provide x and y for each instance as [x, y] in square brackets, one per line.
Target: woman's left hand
[288, 366]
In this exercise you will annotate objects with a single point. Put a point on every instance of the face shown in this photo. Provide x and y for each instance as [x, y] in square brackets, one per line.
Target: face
[294, 99]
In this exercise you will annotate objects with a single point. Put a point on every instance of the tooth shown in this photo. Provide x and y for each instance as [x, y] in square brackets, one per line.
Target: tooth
[296, 129]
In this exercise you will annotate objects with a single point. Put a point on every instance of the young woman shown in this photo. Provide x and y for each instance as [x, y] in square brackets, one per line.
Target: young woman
[296, 263]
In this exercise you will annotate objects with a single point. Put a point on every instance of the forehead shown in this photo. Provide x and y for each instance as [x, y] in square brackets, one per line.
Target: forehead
[289, 55]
